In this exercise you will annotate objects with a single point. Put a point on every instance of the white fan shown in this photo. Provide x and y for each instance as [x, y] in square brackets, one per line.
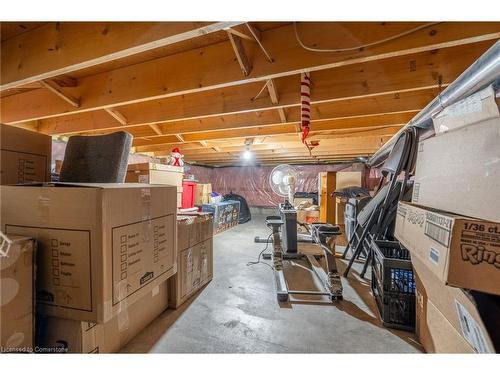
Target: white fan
[282, 180]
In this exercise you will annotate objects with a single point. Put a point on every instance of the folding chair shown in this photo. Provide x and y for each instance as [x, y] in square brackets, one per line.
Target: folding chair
[375, 214]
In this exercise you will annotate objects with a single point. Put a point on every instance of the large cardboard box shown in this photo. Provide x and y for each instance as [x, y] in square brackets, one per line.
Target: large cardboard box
[202, 194]
[475, 108]
[25, 156]
[100, 246]
[195, 257]
[17, 281]
[473, 315]
[459, 171]
[461, 251]
[155, 173]
[72, 336]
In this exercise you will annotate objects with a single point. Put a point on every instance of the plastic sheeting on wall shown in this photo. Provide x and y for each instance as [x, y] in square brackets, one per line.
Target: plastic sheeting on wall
[252, 182]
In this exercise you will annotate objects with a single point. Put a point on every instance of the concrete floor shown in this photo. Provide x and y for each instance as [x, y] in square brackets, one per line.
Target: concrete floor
[238, 312]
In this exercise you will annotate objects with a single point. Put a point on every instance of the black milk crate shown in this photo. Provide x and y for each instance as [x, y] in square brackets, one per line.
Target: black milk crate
[392, 267]
[393, 284]
[396, 310]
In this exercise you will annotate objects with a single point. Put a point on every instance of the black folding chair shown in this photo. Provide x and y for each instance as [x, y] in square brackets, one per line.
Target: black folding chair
[376, 215]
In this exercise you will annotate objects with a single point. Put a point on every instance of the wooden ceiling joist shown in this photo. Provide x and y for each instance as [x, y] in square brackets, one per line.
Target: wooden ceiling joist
[116, 115]
[241, 55]
[54, 87]
[433, 70]
[156, 129]
[210, 67]
[59, 48]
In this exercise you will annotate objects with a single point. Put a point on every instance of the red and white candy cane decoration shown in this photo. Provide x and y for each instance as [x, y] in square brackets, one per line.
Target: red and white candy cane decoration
[305, 104]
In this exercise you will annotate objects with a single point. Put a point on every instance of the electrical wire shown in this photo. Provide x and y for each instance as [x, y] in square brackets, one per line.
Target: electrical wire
[260, 255]
[388, 39]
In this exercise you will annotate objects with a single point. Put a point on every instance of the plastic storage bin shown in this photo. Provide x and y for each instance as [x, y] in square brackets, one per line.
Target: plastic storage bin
[188, 194]
[393, 284]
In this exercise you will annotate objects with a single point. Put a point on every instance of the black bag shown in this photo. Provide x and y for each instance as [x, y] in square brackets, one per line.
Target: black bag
[244, 209]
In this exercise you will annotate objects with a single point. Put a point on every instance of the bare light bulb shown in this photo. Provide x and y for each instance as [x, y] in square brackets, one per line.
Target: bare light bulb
[247, 154]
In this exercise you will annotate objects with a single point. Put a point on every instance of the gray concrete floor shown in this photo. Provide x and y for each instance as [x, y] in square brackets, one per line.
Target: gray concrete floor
[238, 312]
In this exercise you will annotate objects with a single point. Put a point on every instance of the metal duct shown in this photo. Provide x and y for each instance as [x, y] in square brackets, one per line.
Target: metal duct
[483, 72]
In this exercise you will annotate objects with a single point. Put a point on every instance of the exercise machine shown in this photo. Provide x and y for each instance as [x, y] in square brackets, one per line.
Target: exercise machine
[285, 241]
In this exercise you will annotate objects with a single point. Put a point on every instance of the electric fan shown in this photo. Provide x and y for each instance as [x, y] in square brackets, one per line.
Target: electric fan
[282, 180]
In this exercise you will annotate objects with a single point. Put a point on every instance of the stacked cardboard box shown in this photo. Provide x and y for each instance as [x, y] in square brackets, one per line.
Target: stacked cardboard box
[25, 156]
[202, 194]
[450, 252]
[102, 248]
[452, 229]
[17, 307]
[155, 173]
[194, 257]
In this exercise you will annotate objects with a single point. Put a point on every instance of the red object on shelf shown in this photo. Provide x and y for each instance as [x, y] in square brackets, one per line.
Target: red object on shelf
[188, 191]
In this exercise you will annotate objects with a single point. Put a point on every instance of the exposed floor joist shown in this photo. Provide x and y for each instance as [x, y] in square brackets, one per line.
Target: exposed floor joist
[61, 48]
[211, 68]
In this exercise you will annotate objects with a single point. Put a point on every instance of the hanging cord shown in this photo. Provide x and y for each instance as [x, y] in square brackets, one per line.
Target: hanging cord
[388, 39]
[260, 255]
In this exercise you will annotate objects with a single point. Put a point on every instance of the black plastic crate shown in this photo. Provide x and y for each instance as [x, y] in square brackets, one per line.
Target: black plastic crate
[392, 267]
[393, 284]
[396, 310]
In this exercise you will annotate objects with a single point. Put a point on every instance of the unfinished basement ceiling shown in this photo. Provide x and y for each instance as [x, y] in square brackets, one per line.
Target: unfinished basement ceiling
[212, 89]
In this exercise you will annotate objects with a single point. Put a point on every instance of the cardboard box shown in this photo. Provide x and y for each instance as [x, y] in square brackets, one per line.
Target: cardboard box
[100, 246]
[155, 173]
[465, 312]
[459, 171]
[202, 194]
[17, 281]
[461, 251]
[195, 258]
[72, 336]
[25, 156]
[478, 107]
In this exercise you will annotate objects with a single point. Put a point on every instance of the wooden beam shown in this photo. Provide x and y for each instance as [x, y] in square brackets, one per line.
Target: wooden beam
[116, 115]
[340, 123]
[245, 133]
[210, 67]
[156, 129]
[203, 143]
[54, 88]
[180, 138]
[240, 34]
[258, 38]
[381, 78]
[375, 79]
[63, 47]
[241, 55]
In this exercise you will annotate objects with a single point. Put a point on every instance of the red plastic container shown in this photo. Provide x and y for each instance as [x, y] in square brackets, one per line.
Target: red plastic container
[188, 191]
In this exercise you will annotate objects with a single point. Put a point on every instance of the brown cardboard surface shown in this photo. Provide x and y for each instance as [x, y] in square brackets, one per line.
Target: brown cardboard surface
[100, 246]
[202, 194]
[195, 257]
[155, 173]
[477, 107]
[459, 308]
[17, 277]
[432, 329]
[463, 179]
[84, 337]
[25, 156]
[461, 251]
